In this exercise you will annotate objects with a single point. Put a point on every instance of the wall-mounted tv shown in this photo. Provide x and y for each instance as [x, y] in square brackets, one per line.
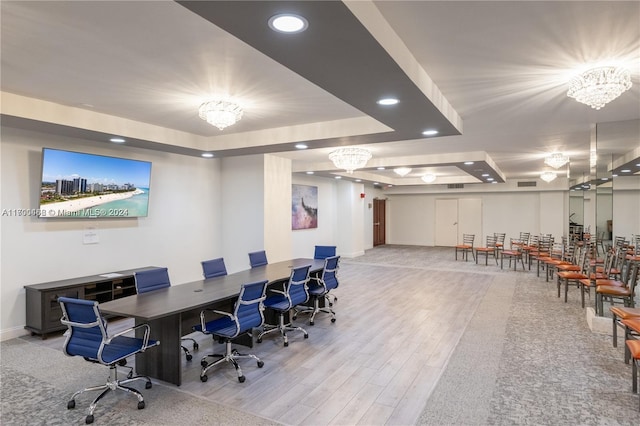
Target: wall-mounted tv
[82, 185]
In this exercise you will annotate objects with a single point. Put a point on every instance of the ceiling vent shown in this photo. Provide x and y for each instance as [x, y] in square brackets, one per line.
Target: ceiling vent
[523, 184]
[455, 185]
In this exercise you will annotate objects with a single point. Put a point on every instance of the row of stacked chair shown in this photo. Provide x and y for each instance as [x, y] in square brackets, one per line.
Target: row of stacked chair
[87, 334]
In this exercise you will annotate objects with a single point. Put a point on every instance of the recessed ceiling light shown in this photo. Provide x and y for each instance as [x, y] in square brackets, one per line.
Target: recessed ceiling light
[468, 163]
[376, 183]
[206, 155]
[288, 23]
[638, 165]
[490, 179]
[625, 171]
[614, 175]
[301, 146]
[309, 173]
[485, 174]
[338, 177]
[495, 181]
[358, 180]
[380, 168]
[117, 140]
[430, 132]
[604, 178]
[387, 101]
[389, 186]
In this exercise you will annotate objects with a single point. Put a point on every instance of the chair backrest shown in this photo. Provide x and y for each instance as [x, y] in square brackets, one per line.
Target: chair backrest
[296, 287]
[214, 268]
[87, 328]
[491, 241]
[329, 278]
[524, 237]
[500, 236]
[248, 310]
[322, 252]
[258, 258]
[152, 279]
[467, 239]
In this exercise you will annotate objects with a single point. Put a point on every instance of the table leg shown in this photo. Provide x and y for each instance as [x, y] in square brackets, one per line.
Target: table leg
[163, 362]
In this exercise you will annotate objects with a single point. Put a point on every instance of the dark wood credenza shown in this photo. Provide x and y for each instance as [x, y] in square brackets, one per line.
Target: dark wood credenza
[43, 309]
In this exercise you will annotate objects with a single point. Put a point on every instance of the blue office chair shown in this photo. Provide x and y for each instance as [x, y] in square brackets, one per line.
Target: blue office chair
[247, 315]
[87, 337]
[258, 258]
[322, 252]
[156, 279]
[294, 293]
[214, 268]
[319, 288]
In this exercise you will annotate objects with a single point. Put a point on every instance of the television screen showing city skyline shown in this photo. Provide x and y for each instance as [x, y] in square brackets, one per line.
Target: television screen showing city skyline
[83, 185]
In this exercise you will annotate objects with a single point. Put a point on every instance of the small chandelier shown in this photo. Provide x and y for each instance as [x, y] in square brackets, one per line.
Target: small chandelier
[220, 113]
[556, 160]
[548, 176]
[428, 178]
[402, 171]
[598, 86]
[350, 158]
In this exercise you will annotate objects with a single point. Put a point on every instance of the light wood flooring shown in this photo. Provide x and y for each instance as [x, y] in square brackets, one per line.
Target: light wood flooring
[395, 331]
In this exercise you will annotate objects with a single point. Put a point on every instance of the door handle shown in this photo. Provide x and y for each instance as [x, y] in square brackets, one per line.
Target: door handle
[377, 223]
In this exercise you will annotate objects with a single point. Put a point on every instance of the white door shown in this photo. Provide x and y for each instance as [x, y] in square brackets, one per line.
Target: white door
[446, 222]
[456, 217]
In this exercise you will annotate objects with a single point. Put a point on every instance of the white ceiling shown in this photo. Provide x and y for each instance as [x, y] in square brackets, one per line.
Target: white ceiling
[502, 66]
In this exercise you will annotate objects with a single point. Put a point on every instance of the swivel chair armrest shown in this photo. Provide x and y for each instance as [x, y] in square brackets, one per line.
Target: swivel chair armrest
[203, 320]
[145, 338]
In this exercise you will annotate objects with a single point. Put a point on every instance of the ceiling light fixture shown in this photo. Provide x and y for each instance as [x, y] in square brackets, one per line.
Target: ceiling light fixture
[548, 176]
[387, 101]
[598, 86]
[350, 158]
[207, 155]
[288, 23]
[468, 163]
[301, 146]
[117, 140]
[220, 113]
[428, 178]
[430, 132]
[556, 160]
[402, 171]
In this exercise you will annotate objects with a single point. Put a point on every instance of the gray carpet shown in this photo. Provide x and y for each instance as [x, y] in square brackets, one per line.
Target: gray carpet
[36, 382]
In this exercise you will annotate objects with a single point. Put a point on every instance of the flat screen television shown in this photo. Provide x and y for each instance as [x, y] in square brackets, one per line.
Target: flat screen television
[82, 185]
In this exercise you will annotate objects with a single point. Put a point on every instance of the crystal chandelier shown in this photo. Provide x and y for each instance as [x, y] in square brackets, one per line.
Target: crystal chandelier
[598, 86]
[548, 176]
[556, 160]
[402, 171]
[220, 113]
[350, 158]
[428, 178]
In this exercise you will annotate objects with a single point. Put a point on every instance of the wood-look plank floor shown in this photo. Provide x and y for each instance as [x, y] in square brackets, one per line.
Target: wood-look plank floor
[395, 331]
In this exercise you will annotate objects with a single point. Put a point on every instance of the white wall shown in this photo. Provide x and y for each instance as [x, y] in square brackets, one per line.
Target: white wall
[183, 226]
[626, 206]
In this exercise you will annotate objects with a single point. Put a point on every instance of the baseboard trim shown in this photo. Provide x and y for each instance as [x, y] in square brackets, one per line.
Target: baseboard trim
[12, 333]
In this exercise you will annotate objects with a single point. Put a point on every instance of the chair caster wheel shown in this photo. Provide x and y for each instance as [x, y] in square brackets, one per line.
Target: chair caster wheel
[189, 357]
[89, 419]
[260, 364]
[259, 340]
[311, 323]
[122, 362]
[195, 346]
[148, 385]
[333, 320]
[295, 317]
[140, 405]
[204, 363]
[306, 336]
[286, 344]
[330, 304]
[71, 404]
[204, 378]
[241, 379]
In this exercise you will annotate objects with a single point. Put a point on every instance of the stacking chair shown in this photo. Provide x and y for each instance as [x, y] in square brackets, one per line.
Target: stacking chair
[258, 258]
[319, 288]
[466, 247]
[633, 346]
[522, 240]
[247, 315]
[294, 293]
[156, 279]
[619, 314]
[573, 273]
[322, 252]
[87, 337]
[489, 249]
[214, 268]
[615, 293]
[500, 237]
[514, 254]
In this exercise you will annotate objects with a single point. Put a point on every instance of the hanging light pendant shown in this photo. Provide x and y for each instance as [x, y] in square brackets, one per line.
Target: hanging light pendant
[598, 86]
[220, 113]
[350, 158]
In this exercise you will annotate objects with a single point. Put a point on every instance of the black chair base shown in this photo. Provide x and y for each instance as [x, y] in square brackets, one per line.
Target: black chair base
[231, 356]
[316, 309]
[187, 353]
[112, 384]
[282, 328]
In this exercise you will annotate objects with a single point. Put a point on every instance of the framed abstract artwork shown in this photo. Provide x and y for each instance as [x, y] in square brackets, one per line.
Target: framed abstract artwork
[304, 207]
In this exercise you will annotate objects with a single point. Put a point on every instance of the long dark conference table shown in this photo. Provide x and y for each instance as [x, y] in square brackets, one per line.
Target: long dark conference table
[171, 312]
